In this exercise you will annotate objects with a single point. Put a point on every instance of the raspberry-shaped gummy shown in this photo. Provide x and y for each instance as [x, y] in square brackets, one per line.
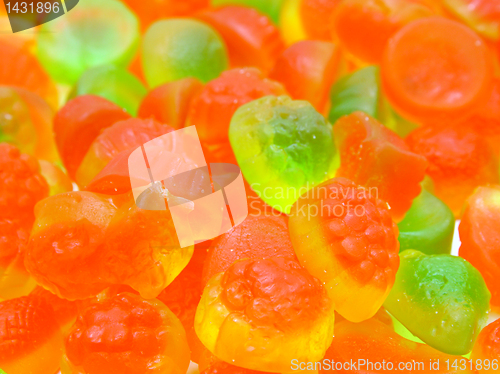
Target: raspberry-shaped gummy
[487, 348]
[260, 314]
[21, 184]
[127, 334]
[344, 235]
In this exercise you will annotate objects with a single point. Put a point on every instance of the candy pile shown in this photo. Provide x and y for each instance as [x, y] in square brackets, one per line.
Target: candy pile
[364, 130]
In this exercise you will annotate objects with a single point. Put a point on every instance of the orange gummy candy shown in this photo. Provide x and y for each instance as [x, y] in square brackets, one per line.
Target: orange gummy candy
[308, 69]
[375, 157]
[126, 334]
[262, 313]
[251, 38]
[485, 355]
[344, 235]
[317, 16]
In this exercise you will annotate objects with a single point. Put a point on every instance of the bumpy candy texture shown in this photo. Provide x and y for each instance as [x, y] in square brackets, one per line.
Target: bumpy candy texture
[93, 33]
[78, 123]
[173, 49]
[30, 336]
[307, 69]
[260, 235]
[251, 37]
[479, 236]
[428, 226]
[212, 109]
[261, 314]
[441, 299]
[486, 352]
[114, 84]
[435, 68]
[283, 148]
[459, 158]
[126, 334]
[374, 156]
[378, 343]
[344, 235]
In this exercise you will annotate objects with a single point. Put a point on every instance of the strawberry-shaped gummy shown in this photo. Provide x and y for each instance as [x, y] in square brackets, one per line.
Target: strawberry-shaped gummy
[485, 355]
[374, 156]
[126, 334]
[344, 235]
[260, 314]
[30, 338]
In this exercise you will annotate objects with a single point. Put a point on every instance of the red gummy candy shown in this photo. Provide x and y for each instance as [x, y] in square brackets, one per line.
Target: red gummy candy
[487, 349]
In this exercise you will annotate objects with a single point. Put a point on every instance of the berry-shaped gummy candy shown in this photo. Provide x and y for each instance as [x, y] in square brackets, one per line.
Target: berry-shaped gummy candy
[485, 355]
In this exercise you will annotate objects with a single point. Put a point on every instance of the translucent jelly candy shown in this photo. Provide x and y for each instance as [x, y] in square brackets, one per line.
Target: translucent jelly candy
[261, 314]
[56, 178]
[212, 109]
[344, 235]
[119, 137]
[179, 48]
[481, 15]
[441, 299]
[26, 122]
[113, 83]
[479, 236]
[268, 7]
[486, 352]
[170, 102]
[317, 18]
[251, 38]
[78, 123]
[374, 156]
[65, 311]
[93, 33]
[209, 364]
[291, 25]
[126, 334]
[384, 351]
[436, 68]
[308, 69]
[459, 160]
[363, 27]
[428, 226]
[283, 147]
[258, 236]
[183, 295]
[30, 337]
[21, 69]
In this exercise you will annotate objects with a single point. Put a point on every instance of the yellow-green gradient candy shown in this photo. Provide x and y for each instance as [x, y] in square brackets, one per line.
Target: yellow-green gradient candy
[179, 48]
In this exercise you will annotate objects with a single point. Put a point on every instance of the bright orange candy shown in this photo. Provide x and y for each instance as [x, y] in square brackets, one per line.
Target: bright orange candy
[78, 123]
[65, 311]
[273, 306]
[435, 68]
[119, 137]
[20, 68]
[363, 27]
[460, 160]
[386, 351]
[126, 334]
[317, 18]
[258, 236]
[375, 157]
[169, 103]
[487, 348]
[251, 38]
[308, 69]
[480, 238]
[344, 235]
[30, 337]
[212, 110]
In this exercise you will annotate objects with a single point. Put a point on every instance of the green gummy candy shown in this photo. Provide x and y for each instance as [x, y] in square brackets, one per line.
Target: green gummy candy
[95, 33]
[179, 48]
[441, 299]
[112, 83]
[283, 147]
[428, 226]
[271, 8]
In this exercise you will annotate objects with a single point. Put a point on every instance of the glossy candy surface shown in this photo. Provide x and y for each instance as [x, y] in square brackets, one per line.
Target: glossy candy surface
[344, 235]
[486, 352]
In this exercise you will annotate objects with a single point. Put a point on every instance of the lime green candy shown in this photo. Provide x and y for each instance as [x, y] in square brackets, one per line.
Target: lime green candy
[113, 83]
[428, 226]
[179, 48]
[271, 8]
[441, 299]
[283, 148]
[94, 33]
